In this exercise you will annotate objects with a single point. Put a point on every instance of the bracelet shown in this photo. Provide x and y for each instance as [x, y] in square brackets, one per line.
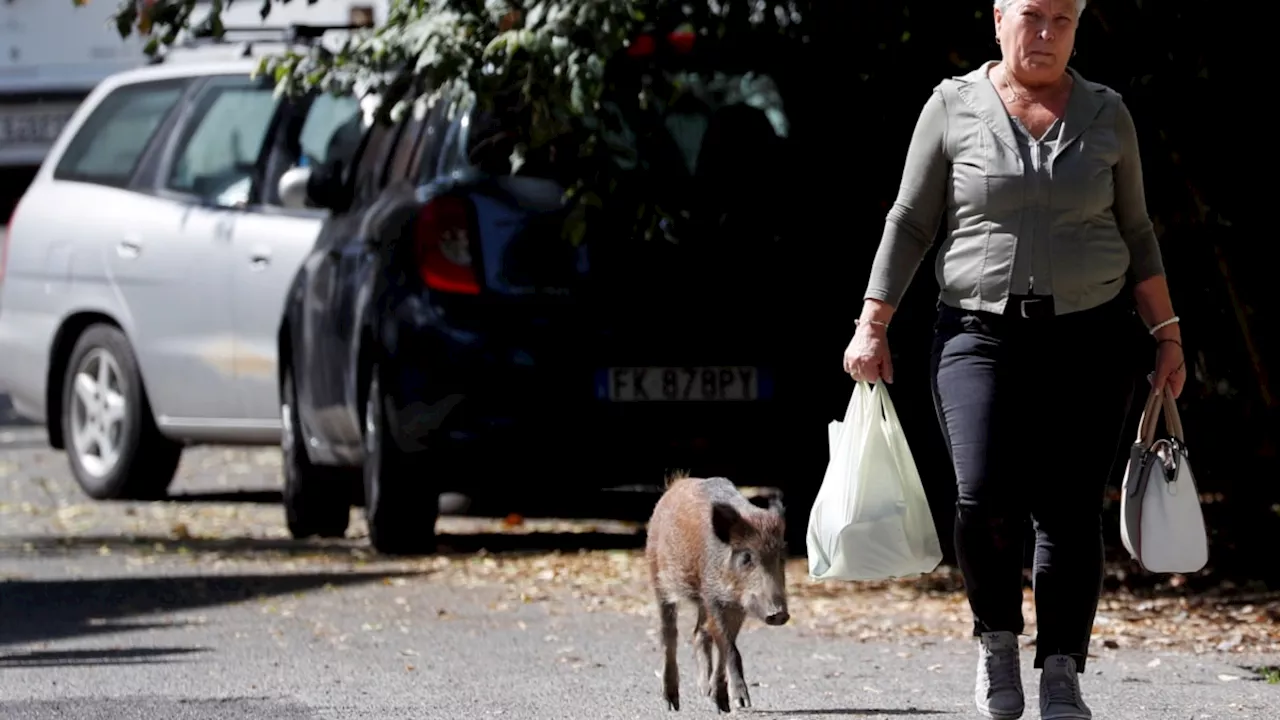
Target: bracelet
[1165, 324]
[1165, 340]
[882, 324]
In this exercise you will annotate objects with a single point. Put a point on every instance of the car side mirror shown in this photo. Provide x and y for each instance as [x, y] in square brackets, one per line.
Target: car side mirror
[293, 187]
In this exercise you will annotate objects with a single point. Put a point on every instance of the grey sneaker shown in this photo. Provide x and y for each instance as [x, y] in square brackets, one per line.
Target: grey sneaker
[1060, 691]
[998, 693]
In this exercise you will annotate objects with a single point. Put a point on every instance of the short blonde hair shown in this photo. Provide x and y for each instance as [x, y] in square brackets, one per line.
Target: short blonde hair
[1004, 5]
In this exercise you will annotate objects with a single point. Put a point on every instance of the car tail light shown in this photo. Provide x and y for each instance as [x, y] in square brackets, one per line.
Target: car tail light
[443, 242]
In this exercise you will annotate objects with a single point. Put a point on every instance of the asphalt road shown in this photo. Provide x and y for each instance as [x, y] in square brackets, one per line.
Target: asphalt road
[202, 609]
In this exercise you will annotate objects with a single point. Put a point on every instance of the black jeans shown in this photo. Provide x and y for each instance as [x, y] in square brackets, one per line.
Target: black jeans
[1033, 411]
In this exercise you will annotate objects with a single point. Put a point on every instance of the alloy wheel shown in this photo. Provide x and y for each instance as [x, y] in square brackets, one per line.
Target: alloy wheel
[99, 412]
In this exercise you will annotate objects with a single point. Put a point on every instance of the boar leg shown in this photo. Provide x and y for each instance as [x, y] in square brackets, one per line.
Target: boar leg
[702, 652]
[724, 623]
[670, 672]
[733, 619]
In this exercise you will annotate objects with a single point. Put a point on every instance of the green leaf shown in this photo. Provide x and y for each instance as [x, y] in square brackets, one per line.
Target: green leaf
[125, 20]
[549, 56]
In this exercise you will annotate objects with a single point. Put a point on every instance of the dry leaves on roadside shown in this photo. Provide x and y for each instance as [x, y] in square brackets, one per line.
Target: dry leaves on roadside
[920, 609]
[925, 608]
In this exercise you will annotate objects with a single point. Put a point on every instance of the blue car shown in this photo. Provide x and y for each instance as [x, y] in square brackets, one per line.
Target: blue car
[446, 335]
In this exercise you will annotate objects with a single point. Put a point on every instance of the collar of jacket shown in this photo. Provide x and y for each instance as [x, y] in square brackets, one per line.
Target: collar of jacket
[1083, 107]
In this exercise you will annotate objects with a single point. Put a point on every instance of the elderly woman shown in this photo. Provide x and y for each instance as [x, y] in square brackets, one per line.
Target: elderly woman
[1048, 248]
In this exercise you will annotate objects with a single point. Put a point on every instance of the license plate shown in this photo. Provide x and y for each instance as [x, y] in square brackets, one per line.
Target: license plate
[718, 383]
[32, 126]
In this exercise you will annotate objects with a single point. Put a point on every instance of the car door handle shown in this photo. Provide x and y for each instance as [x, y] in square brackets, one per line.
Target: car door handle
[260, 258]
[129, 248]
[222, 229]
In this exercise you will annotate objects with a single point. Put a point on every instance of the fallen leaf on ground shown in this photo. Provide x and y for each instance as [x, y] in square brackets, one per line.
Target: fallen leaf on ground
[917, 610]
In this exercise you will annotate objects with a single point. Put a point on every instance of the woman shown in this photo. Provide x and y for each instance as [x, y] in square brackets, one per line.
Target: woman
[1048, 248]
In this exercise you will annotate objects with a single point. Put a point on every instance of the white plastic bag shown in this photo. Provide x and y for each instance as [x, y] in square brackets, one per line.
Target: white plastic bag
[871, 519]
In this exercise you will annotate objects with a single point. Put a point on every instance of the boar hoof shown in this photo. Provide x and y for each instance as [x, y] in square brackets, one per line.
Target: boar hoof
[741, 699]
[671, 691]
[722, 700]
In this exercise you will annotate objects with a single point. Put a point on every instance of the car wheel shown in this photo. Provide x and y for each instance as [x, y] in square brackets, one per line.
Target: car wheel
[399, 505]
[316, 498]
[115, 449]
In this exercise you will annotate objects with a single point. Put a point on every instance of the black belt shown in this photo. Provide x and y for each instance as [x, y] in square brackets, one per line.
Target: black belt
[1029, 307]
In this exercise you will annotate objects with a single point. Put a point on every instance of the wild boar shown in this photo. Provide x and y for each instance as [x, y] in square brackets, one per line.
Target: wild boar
[707, 544]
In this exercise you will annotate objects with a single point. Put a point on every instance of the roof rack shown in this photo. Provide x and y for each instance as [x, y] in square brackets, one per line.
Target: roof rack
[294, 32]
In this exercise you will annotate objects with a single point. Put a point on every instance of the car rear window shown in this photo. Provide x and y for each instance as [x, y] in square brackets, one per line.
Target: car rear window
[110, 143]
[718, 154]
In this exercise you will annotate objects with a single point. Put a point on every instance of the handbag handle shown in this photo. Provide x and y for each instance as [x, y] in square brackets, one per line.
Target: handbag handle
[1156, 401]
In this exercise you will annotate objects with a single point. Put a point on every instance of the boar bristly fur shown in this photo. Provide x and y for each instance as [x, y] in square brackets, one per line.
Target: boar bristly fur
[708, 545]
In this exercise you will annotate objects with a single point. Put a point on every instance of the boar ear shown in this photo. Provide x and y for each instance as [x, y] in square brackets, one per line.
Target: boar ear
[724, 519]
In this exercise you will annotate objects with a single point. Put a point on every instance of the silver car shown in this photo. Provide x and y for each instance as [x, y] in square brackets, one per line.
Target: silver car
[144, 271]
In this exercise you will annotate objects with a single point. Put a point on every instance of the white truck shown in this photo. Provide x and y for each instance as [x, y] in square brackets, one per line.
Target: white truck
[247, 13]
[52, 53]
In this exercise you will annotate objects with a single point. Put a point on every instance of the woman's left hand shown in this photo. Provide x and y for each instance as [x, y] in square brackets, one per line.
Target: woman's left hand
[1171, 367]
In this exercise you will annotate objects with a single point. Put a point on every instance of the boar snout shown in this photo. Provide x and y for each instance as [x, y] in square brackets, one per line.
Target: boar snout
[775, 610]
[768, 602]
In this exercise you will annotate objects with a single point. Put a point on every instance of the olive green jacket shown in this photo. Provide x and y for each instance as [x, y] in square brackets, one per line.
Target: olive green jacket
[1064, 215]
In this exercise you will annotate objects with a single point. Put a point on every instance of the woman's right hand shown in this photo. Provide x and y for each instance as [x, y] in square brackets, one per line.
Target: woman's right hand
[867, 357]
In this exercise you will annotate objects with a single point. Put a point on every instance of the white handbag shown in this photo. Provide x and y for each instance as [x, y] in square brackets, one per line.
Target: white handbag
[1161, 522]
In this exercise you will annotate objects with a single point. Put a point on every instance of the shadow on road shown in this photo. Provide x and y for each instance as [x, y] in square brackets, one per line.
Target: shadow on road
[103, 656]
[517, 543]
[513, 543]
[627, 505]
[256, 497]
[38, 610]
[243, 547]
[46, 610]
